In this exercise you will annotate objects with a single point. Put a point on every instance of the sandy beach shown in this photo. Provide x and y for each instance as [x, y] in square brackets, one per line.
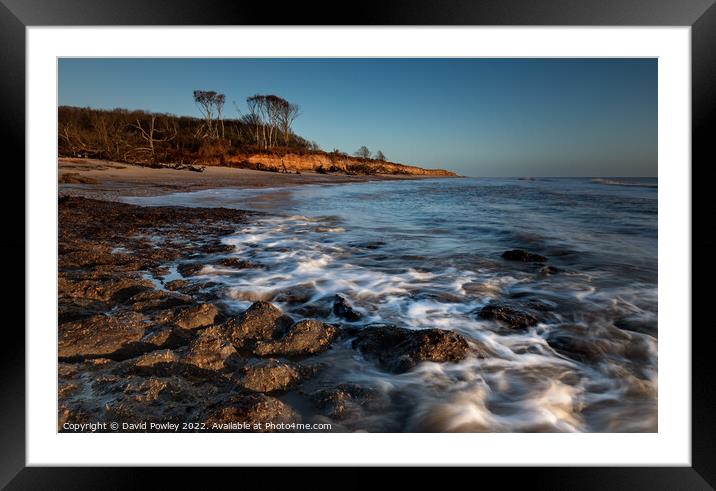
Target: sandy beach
[100, 179]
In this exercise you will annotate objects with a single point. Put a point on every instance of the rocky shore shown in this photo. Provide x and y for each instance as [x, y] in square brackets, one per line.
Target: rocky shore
[141, 339]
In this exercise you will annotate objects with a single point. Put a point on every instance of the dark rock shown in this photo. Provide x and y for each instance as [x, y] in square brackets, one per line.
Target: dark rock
[157, 299]
[398, 350]
[193, 317]
[211, 350]
[160, 337]
[98, 336]
[117, 289]
[267, 376]
[159, 357]
[190, 269]
[254, 410]
[578, 347]
[507, 315]
[524, 256]
[347, 400]
[306, 337]
[342, 308]
[235, 263]
[175, 285]
[296, 294]
[261, 321]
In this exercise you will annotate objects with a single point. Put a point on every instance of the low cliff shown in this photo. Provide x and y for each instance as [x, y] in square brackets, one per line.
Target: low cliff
[327, 163]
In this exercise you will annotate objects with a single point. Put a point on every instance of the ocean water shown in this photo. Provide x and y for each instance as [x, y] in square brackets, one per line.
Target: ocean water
[427, 254]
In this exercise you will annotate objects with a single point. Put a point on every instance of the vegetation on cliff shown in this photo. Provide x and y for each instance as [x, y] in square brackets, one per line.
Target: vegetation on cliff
[261, 139]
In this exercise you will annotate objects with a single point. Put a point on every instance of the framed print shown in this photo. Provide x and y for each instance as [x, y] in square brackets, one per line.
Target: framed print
[455, 236]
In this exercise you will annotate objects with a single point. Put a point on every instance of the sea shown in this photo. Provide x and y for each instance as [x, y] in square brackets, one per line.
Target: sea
[427, 253]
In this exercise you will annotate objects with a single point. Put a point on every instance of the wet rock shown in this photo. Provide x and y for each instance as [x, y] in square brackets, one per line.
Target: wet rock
[549, 270]
[577, 346]
[189, 269]
[165, 337]
[217, 247]
[254, 410]
[157, 299]
[523, 256]
[511, 317]
[235, 263]
[296, 294]
[347, 400]
[117, 336]
[306, 337]
[193, 317]
[261, 321]
[117, 288]
[398, 350]
[210, 350]
[175, 285]
[342, 308]
[267, 376]
[158, 357]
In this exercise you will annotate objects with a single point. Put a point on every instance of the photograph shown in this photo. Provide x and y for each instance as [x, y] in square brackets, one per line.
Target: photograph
[340, 245]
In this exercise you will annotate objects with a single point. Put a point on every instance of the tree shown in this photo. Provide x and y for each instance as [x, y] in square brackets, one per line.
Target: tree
[153, 135]
[211, 105]
[363, 152]
[271, 116]
[379, 155]
[287, 115]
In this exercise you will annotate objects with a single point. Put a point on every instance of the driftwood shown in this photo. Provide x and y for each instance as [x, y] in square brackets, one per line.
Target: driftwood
[176, 166]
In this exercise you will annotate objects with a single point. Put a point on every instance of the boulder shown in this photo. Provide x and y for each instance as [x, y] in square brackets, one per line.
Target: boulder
[507, 315]
[261, 321]
[210, 350]
[189, 269]
[250, 412]
[110, 336]
[114, 288]
[193, 317]
[306, 337]
[398, 350]
[342, 308]
[235, 263]
[267, 376]
[176, 285]
[347, 400]
[157, 299]
[523, 256]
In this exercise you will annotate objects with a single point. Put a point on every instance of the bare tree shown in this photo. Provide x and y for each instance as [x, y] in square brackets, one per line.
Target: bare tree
[379, 155]
[288, 113]
[153, 135]
[211, 105]
[363, 152]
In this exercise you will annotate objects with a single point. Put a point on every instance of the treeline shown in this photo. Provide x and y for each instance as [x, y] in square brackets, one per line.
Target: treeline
[145, 138]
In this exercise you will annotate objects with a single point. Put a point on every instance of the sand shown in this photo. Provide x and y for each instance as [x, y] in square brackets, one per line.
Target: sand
[106, 180]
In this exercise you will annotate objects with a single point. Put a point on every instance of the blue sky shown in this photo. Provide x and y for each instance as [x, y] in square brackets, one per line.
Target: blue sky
[476, 116]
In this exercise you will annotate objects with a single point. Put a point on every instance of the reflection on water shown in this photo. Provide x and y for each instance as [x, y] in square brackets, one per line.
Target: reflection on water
[426, 254]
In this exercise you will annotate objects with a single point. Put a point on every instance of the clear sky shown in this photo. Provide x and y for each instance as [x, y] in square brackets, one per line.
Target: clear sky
[476, 116]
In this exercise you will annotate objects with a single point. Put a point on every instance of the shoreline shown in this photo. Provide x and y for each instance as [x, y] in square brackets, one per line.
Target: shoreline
[111, 181]
[175, 351]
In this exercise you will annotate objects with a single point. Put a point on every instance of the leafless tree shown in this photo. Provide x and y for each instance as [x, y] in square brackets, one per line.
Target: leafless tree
[271, 116]
[363, 152]
[211, 105]
[288, 113]
[153, 135]
[379, 155]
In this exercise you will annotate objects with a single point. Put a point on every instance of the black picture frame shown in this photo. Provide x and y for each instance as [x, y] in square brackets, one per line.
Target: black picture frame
[16, 15]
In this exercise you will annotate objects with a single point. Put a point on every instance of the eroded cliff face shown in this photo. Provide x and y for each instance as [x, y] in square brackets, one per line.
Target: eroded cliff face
[328, 163]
